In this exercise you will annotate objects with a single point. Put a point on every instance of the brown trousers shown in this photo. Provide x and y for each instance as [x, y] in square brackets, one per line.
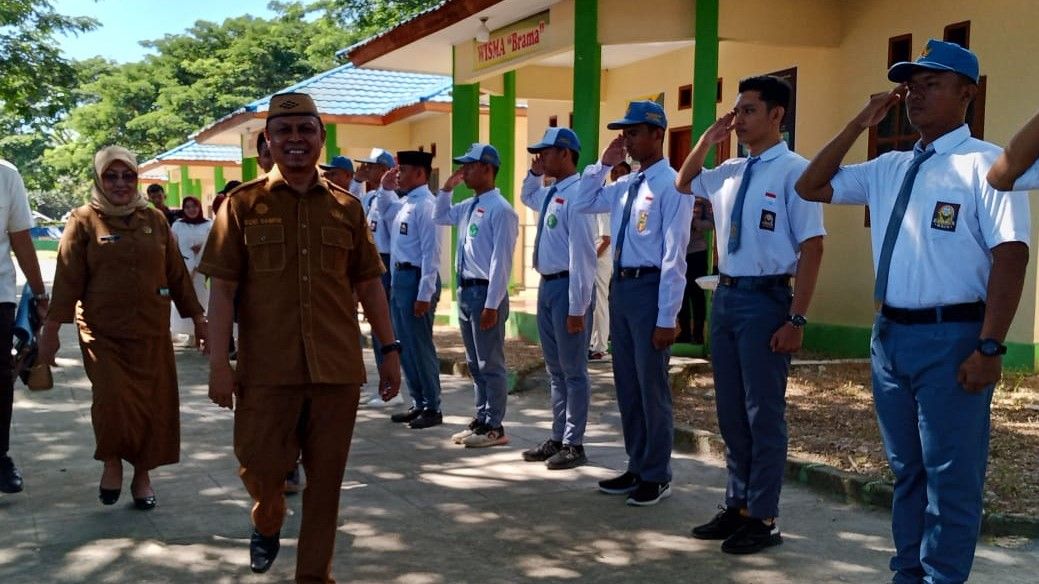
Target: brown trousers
[273, 425]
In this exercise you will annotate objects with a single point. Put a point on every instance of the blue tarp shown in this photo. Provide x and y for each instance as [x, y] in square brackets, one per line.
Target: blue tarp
[51, 232]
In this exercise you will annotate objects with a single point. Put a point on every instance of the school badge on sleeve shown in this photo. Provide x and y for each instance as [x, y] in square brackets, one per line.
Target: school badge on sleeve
[945, 216]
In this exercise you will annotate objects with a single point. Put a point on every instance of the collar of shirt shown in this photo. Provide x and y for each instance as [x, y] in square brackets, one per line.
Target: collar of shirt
[491, 195]
[566, 182]
[656, 173]
[774, 152]
[947, 142]
[276, 180]
[418, 192]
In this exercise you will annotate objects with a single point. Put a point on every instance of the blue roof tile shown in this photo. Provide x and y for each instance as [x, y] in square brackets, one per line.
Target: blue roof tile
[192, 150]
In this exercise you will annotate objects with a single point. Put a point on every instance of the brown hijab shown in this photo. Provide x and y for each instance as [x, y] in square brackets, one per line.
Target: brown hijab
[98, 198]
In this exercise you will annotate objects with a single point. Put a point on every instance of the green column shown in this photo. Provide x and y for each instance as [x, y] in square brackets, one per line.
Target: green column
[249, 169]
[587, 75]
[173, 189]
[705, 95]
[218, 177]
[173, 199]
[503, 135]
[331, 143]
[465, 129]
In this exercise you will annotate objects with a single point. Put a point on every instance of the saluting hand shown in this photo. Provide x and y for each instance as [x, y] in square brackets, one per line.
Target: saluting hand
[787, 339]
[390, 180]
[979, 372]
[720, 129]
[537, 166]
[664, 337]
[614, 152]
[878, 106]
[488, 318]
[454, 180]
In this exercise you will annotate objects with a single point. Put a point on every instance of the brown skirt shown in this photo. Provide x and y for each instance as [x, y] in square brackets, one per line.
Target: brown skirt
[136, 405]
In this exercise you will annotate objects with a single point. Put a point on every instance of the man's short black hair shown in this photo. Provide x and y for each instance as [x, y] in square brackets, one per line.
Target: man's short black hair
[625, 164]
[155, 188]
[774, 91]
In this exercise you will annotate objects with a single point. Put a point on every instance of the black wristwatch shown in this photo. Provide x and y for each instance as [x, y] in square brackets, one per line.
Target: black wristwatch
[991, 348]
[798, 320]
[395, 346]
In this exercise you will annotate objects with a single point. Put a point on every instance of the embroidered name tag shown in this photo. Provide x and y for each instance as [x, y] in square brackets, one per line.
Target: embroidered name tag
[374, 225]
[945, 216]
[403, 228]
[768, 220]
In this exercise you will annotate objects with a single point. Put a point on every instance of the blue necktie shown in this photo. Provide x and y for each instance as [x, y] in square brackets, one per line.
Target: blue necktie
[541, 224]
[736, 223]
[633, 192]
[894, 225]
[465, 236]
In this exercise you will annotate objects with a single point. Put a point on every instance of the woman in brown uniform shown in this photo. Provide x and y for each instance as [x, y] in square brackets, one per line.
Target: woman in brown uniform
[118, 260]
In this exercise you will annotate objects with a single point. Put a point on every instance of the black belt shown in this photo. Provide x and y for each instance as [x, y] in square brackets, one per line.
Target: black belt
[470, 282]
[969, 312]
[754, 282]
[625, 273]
[556, 276]
[407, 266]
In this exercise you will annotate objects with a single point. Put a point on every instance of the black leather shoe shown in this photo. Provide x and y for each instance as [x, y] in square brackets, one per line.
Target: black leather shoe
[407, 416]
[428, 419]
[108, 496]
[10, 478]
[263, 550]
[753, 537]
[144, 503]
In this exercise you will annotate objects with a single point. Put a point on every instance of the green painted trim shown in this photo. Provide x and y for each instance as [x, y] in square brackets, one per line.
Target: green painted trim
[331, 142]
[173, 189]
[196, 187]
[173, 199]
[837, 340]
[705, 70]
[587, 78]
[249, 169]
[1022, 357]
[526, 326]
[45, 244]
[218, 177]
[503, 134]
[465, 129]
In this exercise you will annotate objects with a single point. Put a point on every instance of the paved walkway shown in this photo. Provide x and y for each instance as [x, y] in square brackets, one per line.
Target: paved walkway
[415, 508]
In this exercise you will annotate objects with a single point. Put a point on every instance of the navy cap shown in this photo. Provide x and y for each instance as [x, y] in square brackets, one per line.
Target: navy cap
[340, 162]
[938, 56]
[415, 158]
[641, 112]
[379, 156]
[480, 153]
[557, 138]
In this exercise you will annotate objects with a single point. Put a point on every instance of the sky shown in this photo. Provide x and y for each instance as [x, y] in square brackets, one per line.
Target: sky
[124, 23]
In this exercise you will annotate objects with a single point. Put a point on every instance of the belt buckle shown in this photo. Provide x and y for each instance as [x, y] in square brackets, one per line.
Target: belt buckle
[638, 272]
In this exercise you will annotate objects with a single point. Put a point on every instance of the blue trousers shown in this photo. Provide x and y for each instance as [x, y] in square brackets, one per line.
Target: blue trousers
[750, 385]
[387, 286]
[485, 354]
[419, 355]
[566, 359]
[936, 435]
[640, 374]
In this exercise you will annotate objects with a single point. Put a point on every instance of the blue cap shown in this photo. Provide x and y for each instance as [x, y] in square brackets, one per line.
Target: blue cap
[557, 138]
[379, 156]
[641, 112]
[480, 153]
[341, 162]
[938, 56]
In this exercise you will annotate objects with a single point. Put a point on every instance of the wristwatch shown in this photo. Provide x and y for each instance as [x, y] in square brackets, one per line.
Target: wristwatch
[798, 320]
[991, 347]
[41, 297]
[391, 347]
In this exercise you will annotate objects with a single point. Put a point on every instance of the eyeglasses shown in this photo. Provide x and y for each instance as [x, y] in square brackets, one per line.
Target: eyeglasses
[128, 177]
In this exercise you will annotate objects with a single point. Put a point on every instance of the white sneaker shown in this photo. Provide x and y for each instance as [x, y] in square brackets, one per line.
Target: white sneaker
[376, 401]
[485, 437]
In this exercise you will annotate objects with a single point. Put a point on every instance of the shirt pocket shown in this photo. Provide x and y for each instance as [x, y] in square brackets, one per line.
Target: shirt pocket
[266, 247]
[335, 248]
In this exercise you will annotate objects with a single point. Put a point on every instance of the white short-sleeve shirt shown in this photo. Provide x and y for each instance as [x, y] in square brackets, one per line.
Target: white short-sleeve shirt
[775, 222]
[16, 216]
[943, 252]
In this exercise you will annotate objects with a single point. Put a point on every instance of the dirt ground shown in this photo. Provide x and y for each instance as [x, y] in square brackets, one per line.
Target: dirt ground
[831, 420]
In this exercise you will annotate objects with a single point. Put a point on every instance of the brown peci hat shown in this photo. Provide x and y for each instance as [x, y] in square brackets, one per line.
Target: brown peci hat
[291, 104]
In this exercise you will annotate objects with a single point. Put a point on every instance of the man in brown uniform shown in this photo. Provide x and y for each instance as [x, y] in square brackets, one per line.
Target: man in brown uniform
[295, 248]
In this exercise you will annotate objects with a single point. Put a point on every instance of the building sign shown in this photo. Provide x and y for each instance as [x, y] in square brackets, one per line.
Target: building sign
[512, 42]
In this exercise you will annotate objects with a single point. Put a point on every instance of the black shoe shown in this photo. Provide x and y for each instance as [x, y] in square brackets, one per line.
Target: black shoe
[144, 503]
[543, 451]
[407, 416]
[263, 550]
[649, 493]
[621, 485]
[428, 419]
[108, 496]
[725, 523]
[753, 537]
[569, 456]
[10, 478]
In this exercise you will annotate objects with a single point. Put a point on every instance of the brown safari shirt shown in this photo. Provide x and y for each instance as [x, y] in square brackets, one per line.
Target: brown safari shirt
[296, 258]
[123, 272]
